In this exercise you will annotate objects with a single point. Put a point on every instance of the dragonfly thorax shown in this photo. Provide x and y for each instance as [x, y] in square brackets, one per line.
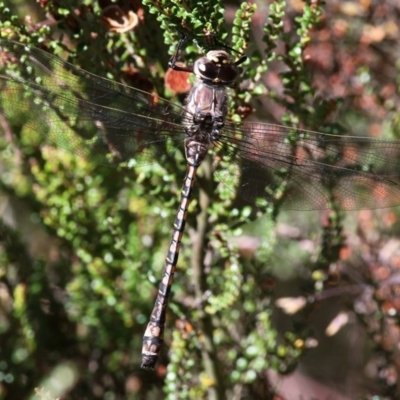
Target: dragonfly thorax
[207, 107]
[216, 68]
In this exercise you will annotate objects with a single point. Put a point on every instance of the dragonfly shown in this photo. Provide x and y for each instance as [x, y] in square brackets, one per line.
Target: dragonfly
[103, 120]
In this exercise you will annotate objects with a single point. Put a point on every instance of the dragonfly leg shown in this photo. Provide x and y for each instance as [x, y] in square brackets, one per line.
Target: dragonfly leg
[173, 60]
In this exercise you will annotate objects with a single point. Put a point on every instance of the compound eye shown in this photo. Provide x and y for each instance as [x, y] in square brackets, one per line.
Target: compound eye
[216, 69]
[208, 70]
[227, 73]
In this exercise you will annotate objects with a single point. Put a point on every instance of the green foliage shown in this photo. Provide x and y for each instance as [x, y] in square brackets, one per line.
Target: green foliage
[78, 280]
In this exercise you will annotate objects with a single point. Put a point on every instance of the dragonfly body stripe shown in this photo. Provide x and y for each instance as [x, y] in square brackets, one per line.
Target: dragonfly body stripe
[206, 112]
[153, 337]
[99, 119]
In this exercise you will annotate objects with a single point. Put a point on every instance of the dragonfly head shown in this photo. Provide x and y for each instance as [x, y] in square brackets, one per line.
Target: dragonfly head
[217, 68]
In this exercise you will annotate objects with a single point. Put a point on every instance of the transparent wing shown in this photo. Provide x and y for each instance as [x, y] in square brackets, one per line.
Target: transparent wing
[84, 113]
[94, 117]
[306, 170]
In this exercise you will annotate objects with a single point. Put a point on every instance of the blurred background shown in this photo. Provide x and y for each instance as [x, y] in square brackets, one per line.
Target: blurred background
[295, 305]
